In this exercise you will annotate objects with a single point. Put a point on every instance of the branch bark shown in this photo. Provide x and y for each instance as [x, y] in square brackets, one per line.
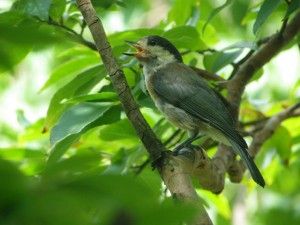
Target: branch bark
[270, 126]
[150, 141]
[236, 87]
[169, 171]
[175, 171]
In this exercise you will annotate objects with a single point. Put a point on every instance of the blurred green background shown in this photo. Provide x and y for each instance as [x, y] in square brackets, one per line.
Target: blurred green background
[68, 153]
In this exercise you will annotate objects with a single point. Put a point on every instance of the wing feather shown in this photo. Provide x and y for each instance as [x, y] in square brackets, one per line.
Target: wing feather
[183, 88]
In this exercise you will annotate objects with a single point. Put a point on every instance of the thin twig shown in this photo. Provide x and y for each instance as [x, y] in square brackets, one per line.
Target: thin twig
[75, 35]
[270, 126]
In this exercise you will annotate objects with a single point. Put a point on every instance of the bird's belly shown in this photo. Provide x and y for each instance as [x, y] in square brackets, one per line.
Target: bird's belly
[177, 116]
[186, 121]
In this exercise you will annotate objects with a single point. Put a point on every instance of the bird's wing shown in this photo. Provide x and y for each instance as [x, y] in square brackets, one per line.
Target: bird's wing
[182, 87]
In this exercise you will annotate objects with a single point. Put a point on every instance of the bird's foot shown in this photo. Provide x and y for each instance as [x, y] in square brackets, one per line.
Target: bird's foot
[187, 143]
[188, 151]
[178, 148]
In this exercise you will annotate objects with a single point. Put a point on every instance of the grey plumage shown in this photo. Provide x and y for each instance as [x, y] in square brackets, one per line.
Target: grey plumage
[186, 100]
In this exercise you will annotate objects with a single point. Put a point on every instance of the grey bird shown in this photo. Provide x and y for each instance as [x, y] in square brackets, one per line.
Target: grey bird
[186, 100]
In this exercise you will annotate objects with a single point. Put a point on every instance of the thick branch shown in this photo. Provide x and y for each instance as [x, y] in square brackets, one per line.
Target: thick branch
[237, 85]
[175, 172]
[202, 168]
[270, 126]
[184, 188]
[150, 141]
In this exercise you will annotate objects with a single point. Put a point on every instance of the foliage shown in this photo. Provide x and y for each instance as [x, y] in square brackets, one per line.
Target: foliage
[85, 173]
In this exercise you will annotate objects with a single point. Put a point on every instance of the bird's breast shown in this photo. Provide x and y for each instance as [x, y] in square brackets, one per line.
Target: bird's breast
[176, 116]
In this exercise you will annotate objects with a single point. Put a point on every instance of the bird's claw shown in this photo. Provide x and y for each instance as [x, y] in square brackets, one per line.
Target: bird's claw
[186, 152]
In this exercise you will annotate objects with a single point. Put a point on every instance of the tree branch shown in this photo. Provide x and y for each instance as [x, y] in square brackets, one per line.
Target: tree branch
[167, 166]
[237, 85]
[150, 141]
[270, 126]
[74, 34]
[175, 172]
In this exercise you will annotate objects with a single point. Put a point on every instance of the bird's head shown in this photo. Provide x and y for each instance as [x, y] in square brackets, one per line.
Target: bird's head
[154, 50]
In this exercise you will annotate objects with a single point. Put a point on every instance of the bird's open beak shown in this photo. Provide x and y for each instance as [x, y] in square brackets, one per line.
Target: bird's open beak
[137, 46]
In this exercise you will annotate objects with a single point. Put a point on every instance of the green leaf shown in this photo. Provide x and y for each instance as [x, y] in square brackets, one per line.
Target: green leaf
[118, 131]
[57, 9]
[295, 89]
[23, 121]
[73, 165]
[215, 12]
[210, 36]
[19, 34]
[281, 141]
[242, 44]
[185, 37]
[13, 185]
[73, 123]
[32, 161]
[264, 12]
[81, 84]
[104, 96]
[13, 153]
[69, 68]
[118, 38]
[181, 11]
[39, 8]
[218, 60]
[257, 75]
[250, 16]
[294, 6]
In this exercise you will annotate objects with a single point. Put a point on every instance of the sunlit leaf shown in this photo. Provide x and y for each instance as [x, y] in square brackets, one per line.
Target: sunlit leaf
[242, 44]
[69, 68]
[181, 11]
[73, 123]
[22, 119]
[215, 12]
[80, 85]
[210, 36]
[218, 60]
[57, 9]
[250, 16]
[264, 12]
[39, 8]
[104, 96]
[295, 92]
[281, 141]
[185, 37]
[257, 75]
[19, 34]
[293, 6]
[118, 131]
[131, 35]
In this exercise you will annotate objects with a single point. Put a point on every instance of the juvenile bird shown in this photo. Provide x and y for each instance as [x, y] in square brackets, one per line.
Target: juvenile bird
[186, 100]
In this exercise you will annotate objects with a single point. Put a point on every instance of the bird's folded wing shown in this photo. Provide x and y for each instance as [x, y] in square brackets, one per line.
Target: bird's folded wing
[182, 87]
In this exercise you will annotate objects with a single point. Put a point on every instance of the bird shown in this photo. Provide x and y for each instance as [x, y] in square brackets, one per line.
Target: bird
[186, 100]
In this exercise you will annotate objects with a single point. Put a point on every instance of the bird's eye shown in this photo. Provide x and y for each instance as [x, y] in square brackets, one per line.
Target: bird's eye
[152, 42]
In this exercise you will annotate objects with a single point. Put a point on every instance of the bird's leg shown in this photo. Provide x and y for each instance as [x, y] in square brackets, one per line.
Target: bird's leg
[186, 143]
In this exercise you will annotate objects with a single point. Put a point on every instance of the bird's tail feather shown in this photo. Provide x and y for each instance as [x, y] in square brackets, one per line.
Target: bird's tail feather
[254, 171]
